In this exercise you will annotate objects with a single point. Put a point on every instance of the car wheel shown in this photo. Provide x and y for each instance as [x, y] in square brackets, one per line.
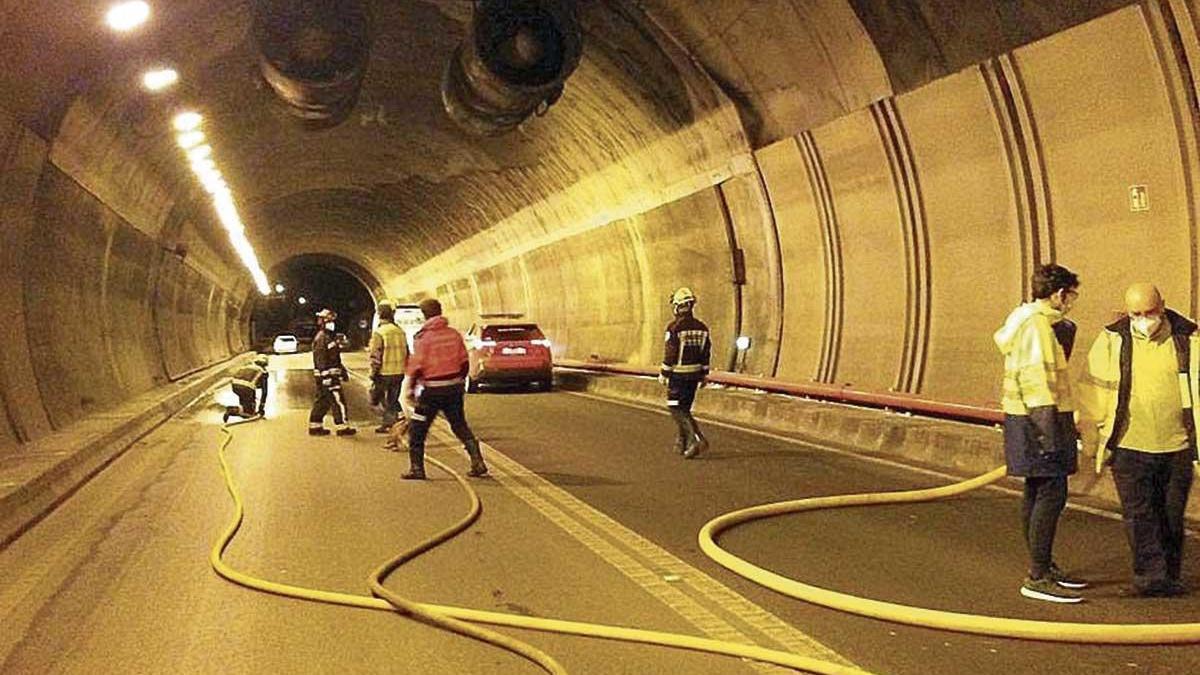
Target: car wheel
[545, 385]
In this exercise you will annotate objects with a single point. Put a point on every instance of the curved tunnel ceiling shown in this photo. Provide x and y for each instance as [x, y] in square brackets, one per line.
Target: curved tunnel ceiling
[399, 169]
[809, 167]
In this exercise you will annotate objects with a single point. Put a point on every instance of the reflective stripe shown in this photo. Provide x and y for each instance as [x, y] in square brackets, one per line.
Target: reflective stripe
[443, 383]
[420, 418]
[670, 403]
[1098, 382]
[668, 367]
[693, 368]
[243, 383]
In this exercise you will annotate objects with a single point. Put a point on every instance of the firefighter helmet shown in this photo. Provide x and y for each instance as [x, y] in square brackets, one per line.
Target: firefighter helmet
[683, 296]
[261, 360]
[326, 315]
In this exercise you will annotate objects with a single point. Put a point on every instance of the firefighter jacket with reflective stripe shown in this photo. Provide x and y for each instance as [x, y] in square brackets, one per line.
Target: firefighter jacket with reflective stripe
[1035, 365]
[687, 350]
[388, 349]
[327, 355]
[251, 376]
[439, 355]
[1104, 391]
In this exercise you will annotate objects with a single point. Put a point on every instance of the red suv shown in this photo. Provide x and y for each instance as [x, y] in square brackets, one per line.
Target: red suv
[504, 349]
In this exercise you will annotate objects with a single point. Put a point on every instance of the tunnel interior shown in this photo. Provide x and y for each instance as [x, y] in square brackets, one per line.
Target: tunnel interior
[827, 177]
[305, 285]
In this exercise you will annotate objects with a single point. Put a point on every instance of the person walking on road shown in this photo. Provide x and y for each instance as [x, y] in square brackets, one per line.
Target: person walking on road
[388, 351]
[684, 367]
[1139, 414]
[438, 368]
[1039, 426]
[329, 374]
[248, 381]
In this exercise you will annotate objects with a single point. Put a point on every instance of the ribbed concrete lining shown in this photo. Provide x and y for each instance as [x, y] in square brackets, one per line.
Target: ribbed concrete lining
[98, 312]
[883, 239]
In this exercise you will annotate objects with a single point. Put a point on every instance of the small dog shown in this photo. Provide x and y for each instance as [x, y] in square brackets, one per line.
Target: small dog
[398, 436]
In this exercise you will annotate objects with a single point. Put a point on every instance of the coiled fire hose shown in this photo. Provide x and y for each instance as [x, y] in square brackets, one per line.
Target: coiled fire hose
[980, 624]
[455, 618]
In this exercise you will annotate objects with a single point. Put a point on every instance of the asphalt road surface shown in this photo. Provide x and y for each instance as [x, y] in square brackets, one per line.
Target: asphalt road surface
[588, 516]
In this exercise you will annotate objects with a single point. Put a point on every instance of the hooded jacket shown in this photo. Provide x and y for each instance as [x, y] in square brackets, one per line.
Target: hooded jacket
[1037, 399]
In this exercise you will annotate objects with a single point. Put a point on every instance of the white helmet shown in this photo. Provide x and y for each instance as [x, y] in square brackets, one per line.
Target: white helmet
[683, 296]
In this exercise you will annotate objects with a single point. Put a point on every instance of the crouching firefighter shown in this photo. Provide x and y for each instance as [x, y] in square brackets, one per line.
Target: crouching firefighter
[329, 374]
[684, 367]
[439, 366]
[248, 382]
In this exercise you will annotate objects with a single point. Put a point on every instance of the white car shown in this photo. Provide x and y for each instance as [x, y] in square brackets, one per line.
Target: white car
[286, 344]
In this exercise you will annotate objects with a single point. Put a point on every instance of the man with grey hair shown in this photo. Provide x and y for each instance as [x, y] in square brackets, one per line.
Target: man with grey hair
[1139, 415]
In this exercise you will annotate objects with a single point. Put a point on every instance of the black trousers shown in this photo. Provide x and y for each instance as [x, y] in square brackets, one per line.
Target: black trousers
[248, 397]
[1045, 499]
[1154, 491]
[433, 400]
[328, 398]
[390, 384]
[681, 394]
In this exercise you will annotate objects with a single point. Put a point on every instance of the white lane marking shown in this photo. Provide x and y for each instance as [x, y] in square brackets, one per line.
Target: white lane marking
[844, 453]
[583, 522]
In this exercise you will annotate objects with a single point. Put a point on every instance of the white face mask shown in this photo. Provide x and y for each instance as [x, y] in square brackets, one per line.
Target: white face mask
[330, 325]
[1146, 325]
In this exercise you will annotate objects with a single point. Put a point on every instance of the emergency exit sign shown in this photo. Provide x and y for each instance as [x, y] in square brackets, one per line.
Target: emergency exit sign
[1139, 198]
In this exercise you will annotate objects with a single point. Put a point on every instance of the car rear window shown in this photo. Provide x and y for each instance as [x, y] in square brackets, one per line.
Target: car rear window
[512, 333]
[286, 338]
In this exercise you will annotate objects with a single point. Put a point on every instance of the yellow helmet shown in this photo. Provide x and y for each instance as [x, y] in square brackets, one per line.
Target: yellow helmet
[683, 296]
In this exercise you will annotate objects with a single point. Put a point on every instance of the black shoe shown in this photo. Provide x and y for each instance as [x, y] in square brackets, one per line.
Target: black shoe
[225, 417]
[478, 470]
[1172, 588]
[413, 474]
[698, 445]
[383, 428]
[1065, 580]
[348, 431]
[318, 431]
[1046, 589]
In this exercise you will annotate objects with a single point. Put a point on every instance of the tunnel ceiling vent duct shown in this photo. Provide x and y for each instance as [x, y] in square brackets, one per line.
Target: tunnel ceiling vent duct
[314, 54]
[513, 62]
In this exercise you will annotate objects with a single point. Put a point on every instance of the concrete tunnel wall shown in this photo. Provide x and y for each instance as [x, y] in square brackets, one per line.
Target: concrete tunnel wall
[96, 309]
[888, 182]
[883, 248]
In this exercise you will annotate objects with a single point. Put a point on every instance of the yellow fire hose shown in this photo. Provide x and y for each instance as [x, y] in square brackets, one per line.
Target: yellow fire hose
[1091, 633]
[455, 618]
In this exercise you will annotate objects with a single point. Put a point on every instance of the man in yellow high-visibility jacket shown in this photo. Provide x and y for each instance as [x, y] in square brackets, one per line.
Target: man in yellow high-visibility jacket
[388, 351]
[1138, 414]
[1039, 430]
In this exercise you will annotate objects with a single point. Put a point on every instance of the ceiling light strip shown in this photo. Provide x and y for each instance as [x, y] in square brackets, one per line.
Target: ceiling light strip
[200, 159]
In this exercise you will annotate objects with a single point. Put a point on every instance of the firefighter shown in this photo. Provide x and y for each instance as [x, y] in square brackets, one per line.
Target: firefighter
[438, 366]
[329, 374]
[247, 382]
[684, 367]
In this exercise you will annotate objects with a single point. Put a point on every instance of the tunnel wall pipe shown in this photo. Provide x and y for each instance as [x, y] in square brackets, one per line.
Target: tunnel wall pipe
[908, 230]
[81, 285]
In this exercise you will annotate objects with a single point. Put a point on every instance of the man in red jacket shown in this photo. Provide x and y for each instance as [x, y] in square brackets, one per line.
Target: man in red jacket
[438, 365]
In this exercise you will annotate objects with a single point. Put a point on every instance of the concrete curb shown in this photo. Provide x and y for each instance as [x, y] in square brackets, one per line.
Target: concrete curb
[954, 447]
[47, 471]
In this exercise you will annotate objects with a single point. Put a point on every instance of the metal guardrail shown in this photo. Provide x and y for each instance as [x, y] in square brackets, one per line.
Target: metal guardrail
[824, 392]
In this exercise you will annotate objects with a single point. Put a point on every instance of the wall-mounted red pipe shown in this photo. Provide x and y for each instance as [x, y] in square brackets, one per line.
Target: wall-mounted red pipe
[826, 392]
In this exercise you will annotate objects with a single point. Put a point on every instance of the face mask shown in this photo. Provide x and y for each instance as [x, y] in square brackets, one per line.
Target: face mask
[330, 325]
[1146, 325]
